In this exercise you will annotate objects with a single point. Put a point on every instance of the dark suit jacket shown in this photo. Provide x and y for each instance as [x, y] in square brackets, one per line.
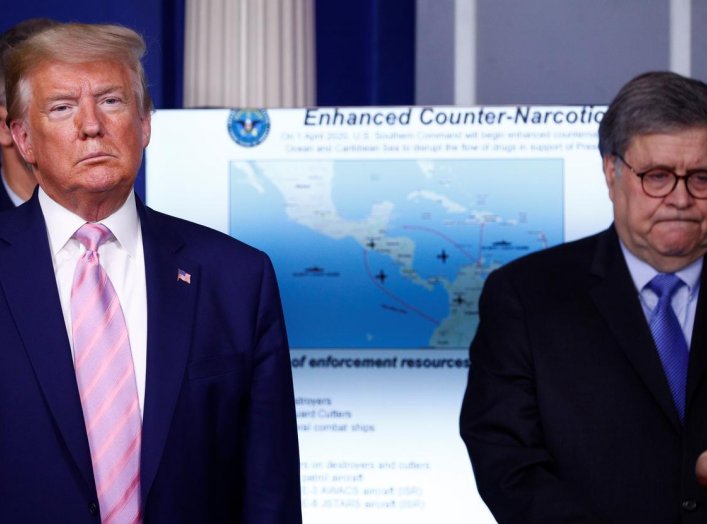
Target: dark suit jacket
[5, 202]
[568, 416]
[219, 432]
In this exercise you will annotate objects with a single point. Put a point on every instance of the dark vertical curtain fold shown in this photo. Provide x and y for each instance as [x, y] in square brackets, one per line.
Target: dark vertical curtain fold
[365, 52]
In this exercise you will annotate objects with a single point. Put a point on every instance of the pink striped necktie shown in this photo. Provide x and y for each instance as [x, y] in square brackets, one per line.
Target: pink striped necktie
[106, 380]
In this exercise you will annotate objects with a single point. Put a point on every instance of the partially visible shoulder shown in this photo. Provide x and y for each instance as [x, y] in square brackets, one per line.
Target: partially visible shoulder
[201, 240]
[571, 258]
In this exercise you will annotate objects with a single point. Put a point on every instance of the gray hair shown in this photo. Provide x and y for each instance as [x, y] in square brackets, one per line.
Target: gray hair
[74, 44]
[655, 102]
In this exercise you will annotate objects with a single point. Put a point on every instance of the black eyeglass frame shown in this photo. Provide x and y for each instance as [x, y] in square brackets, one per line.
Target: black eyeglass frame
[676, 179]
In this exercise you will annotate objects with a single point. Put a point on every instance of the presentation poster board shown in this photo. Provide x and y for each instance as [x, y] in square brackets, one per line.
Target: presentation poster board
[382, 224]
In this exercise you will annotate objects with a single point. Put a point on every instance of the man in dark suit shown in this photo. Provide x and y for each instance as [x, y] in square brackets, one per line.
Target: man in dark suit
[144, 365]
[17, 179]
[587, 393]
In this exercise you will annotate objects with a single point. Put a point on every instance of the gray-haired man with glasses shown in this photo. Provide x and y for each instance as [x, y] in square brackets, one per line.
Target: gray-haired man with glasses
[587, 394]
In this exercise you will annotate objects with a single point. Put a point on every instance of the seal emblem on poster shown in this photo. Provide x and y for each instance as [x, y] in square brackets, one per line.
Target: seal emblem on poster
[248, 127]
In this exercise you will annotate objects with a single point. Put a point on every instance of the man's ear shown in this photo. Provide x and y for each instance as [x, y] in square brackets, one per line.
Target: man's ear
[146, 124]
[23, 140]
[5, 135]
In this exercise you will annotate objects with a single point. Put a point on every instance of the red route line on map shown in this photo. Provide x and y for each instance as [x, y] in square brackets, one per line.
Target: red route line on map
[452, 241]
[393, 296]
[541, 238]
[476, 260]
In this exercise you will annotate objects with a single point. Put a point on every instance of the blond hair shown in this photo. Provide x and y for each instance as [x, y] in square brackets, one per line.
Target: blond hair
[74, 43]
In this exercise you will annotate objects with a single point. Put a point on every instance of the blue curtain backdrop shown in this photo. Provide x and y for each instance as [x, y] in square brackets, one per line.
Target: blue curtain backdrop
[365, 48]
[365, 52]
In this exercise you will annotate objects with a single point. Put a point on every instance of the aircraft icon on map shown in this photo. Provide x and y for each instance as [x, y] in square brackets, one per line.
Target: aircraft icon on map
[381, 276]
[443, 256]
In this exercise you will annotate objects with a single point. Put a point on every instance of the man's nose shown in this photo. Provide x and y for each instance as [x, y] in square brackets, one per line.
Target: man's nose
[90, 123]
[680, 196]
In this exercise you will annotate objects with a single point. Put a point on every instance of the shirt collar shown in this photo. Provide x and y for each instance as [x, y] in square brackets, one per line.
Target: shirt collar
[642, 272]
[62, 223]
[14, 197]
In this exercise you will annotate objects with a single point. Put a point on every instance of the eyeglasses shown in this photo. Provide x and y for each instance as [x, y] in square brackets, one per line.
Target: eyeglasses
[659, 182]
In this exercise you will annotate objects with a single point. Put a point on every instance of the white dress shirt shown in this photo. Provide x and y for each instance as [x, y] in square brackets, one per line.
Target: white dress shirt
[684, 300]
[122, 258]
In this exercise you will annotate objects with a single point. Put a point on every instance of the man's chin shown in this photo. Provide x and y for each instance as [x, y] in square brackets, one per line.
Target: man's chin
[689, 248]
[104, 183]
[678, 236]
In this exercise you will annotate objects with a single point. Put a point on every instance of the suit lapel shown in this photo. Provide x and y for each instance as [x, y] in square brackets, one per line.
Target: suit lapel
[617, 300]
[170, 306]
[28, 281]
[698, 349]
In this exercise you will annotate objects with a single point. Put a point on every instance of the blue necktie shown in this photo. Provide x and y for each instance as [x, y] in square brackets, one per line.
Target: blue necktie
[669, 338]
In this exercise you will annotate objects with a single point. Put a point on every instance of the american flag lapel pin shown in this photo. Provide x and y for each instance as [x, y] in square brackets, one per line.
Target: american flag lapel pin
[183, 276]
